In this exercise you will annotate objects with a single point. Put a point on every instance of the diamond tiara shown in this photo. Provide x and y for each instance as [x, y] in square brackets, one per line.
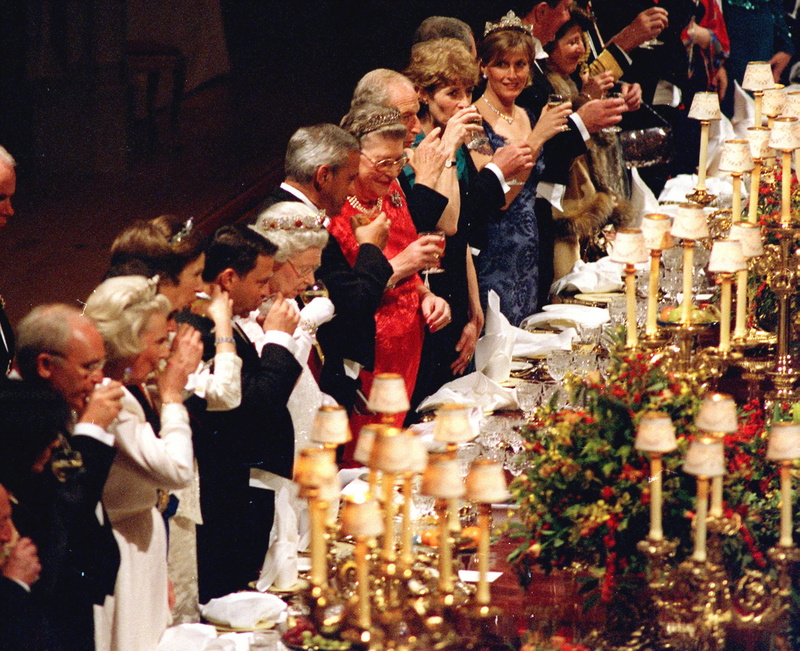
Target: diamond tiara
[266, 223]
[375, 122]
[509, 21]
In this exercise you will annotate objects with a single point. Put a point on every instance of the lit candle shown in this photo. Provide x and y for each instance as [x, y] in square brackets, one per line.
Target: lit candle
[760, 151]
[319, 552]
[786, 187]
[655, 435]
[688, 270]
[755, 182]
[740, 331]
[701, 169]
[701, 514]
[716, 497]
[725, 322]
[656, 507]
[630, 295]
[784, 446]
[482, 595]
[783, 138]
[445, 549]
[362, 578]
[651, 327]
[786, 539]
[388, 514]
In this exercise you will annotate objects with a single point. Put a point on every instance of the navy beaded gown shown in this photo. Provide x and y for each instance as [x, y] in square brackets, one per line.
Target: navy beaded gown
[509, 264]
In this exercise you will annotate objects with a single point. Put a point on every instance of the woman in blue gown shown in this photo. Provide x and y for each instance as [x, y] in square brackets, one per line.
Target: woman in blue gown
[509, 262]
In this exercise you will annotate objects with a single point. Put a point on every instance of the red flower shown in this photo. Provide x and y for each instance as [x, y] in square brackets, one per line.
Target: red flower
[607, 492]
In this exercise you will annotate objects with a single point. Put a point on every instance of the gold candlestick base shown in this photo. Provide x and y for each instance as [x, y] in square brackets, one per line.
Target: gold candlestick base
[703, 197]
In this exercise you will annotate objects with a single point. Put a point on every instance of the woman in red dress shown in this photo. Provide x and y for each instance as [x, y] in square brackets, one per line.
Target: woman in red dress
[407, 306]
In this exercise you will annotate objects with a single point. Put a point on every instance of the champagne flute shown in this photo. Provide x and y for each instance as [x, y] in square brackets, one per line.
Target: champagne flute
[435, 268]
[653, 42]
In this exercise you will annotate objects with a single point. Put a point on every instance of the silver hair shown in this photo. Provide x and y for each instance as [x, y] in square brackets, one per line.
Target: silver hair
[120, 308]
[6, 158]
[312, 147]
[375, 87]
[291, 240]
[372, 119]
[45, 329]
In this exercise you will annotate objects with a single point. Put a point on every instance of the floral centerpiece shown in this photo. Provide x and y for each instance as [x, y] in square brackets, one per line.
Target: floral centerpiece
[584, 498]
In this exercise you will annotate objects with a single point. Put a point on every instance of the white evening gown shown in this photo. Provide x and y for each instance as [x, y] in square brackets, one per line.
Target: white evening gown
[139, 612]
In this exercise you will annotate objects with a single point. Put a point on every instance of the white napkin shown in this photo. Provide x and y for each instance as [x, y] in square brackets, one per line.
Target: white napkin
[244, 609]
[642, 199]
[540, 343]
[280, 563]
[474, 389]
[493, 350]
[567, 315]
[187, 636]
[591, 278]
[676, 189]
[744, 111]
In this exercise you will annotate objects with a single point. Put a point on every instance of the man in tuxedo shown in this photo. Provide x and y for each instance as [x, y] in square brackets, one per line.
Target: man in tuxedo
[20, 628]
[8, 186]
[237, 518]
[321, 165]
[61, 350]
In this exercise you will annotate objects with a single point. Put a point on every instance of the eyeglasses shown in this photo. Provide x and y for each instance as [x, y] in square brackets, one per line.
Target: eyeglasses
[387, 165]
[89, 367]
[302, 272]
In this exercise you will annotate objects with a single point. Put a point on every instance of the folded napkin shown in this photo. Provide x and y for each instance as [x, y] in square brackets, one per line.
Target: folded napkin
[187, 636]
[537, 344]
[676, 189]
[591, 278]
[474, 389]
[493, 350]
[566, 315]
[280, 563]
[642, 200]
[244, 610]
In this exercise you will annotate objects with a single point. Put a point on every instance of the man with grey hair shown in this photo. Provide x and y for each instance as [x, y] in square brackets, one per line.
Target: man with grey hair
[61, 349]
[8, 186]
[321, 165]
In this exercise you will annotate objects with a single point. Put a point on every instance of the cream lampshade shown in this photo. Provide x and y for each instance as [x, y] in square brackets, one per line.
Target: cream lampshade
[736, 157]
[690, 222]
[784, 135]
[726, 256]
[331, 425]
[758, 137]
[315, 467]
[774, 101]
[366, 438]
[791, 108]
[655, 433]
[749, 234]
[784, 442]
[486, 482]
[705, 106]
[389, 451]
[417, 454]
[388, 394]
[656, 230]
[717, 414]
[361, 516]
[629, 246]
[442, 478]
[705, 458]
[453, 424]
[758, 76]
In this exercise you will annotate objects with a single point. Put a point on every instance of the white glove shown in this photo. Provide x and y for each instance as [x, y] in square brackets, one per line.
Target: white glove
[320, 310]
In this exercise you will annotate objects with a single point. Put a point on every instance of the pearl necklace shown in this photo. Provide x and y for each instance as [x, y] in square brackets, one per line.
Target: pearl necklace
[508, 119]
[357, 205]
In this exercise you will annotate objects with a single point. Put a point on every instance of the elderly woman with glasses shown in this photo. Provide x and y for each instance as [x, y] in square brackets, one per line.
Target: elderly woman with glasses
[408, 306]
[154, 450]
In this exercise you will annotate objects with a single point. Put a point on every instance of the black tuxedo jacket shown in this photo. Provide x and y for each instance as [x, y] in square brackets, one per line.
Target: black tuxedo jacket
[79, 555]
[234, 536]
[21, 626]
[356, 292]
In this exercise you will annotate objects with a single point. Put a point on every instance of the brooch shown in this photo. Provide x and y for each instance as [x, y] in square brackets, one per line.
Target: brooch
[396, 199]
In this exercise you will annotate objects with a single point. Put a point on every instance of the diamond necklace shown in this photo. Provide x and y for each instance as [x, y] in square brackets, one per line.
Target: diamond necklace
[510, 120]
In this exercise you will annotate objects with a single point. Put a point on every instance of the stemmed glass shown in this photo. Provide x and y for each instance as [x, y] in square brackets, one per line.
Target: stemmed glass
[435, 268]
[315, 290]
[557, 363]
[653, 42]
